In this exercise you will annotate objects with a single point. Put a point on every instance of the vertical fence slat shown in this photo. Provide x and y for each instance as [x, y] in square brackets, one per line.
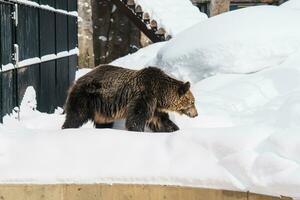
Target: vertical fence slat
[6, 37]
[28, 41]
[62, 80]
[72, 44]
[7, 92]
[62, 64]
[47, 100]
[27, 32]
[48, 2]
[72, 5]
[1, 62]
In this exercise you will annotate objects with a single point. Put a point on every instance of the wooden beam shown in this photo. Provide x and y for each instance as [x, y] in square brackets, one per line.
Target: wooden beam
[255, 1]
[137, 21]
[240, 1]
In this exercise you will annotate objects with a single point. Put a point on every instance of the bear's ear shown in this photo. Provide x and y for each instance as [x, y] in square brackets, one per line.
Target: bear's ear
[183, 88]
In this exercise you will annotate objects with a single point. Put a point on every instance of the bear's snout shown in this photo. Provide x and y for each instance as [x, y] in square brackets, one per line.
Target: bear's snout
[191, 112]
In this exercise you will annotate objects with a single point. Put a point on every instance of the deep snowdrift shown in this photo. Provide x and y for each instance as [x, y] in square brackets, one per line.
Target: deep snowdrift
[242, 41]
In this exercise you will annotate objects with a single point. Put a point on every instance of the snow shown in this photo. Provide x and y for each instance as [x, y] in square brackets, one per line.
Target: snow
[291, 4]
[74, 51]
[30, 61]
[7, 67]
[103, 38]
[180, 14]
[246, 142]
[246, 137]
[47, 7]
[142, 58]
[30, 3]
[48, 57]
[62, 54]
[82, 72]
[242, 41]
[45, 58]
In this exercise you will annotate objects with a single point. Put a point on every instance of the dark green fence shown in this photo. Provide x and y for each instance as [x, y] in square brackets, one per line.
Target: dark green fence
[38, 47]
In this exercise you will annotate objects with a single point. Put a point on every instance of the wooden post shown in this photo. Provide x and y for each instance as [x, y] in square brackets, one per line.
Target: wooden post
[219, 6]
[101, 16]
[85, 34]
[114, 35]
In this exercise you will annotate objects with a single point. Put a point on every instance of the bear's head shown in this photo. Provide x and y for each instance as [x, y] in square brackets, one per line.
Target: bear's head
[184, 101]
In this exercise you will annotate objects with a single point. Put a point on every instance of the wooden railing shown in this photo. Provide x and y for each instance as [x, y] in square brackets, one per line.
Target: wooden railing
[142, 20]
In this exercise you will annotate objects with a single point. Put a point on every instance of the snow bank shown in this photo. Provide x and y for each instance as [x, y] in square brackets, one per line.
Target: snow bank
[242, 41]
[82, 72]
[291, 4]
[142, 58]
[173, 15]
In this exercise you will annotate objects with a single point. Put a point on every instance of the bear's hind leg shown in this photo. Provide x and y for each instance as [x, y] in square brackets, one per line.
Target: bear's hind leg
[106, 125]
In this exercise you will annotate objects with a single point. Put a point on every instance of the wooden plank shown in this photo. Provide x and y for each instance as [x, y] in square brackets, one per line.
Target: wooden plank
[28, 32]
[31, 192]
[255, 1]
[73, 63]
[47, 94]
[6, 32]
[80, 192]
[253, 196]
[62, 80]
[61, 24]
[240, 1]
[47, 32]
[8, 100]
[122, 192]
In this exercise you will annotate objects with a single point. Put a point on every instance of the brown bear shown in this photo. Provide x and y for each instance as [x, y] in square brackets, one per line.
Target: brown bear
[142, 97]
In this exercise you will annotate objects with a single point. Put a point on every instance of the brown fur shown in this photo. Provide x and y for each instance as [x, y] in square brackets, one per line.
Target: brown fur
[142, 97]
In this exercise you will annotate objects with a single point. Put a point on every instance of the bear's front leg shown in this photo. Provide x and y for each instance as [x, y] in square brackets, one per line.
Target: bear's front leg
[162, 123]
[140, 110]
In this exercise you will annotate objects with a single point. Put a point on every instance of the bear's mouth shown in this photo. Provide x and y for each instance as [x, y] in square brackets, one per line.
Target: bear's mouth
[189, 112]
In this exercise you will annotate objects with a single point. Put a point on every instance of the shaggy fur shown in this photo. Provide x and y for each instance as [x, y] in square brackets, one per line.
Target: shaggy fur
[142, 97]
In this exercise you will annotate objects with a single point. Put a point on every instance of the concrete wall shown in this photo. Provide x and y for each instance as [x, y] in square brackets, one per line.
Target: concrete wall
[121, 192]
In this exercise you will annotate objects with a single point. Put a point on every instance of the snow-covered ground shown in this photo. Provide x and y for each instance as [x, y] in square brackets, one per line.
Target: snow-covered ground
[245, 138]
